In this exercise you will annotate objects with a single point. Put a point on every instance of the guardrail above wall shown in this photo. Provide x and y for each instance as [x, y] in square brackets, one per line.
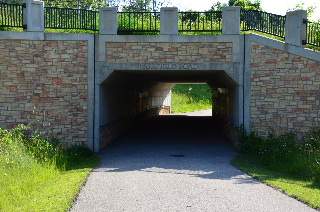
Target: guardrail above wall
[34, 16]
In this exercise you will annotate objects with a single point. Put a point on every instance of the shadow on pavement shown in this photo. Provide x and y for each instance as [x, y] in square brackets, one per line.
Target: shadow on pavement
[181, 145]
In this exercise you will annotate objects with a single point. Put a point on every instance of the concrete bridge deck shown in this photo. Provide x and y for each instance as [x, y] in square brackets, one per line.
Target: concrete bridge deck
[176, 163]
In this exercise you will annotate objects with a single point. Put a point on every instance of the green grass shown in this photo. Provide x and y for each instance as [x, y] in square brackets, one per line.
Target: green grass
[186, 100]
[284, 162]
[38, 175]
[303, 189]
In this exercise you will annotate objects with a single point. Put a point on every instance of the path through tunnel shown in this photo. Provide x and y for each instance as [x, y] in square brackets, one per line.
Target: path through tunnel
[127, 97]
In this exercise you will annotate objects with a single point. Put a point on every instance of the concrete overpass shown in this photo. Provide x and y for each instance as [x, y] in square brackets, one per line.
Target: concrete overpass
[92, 88]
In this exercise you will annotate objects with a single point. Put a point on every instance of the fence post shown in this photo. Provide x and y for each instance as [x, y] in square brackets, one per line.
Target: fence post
[296, 30]
[231, 20]
[108, 21]
[33, 16]
[169, 21]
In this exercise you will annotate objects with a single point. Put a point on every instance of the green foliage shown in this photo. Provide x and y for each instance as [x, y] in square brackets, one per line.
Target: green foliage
[191, 97]
[37, 174]
[244, 4]
[310, 10]
[218, 6]
[138, 6]
[285, 153]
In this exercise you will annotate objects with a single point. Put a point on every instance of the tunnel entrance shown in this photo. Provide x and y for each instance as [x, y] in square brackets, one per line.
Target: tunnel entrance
[126, 96]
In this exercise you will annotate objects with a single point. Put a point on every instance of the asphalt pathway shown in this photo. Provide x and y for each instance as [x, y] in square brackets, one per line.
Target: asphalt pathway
[176, 163]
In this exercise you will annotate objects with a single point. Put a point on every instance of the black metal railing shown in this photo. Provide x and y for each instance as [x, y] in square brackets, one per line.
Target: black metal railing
[67, 18]
[263, 22]
[313, 33]
[129, 22]
[11, 15]
[200, 21]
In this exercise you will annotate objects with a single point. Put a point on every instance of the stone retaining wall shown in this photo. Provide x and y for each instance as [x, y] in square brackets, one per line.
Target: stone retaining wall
[45, 84]
[285, 91]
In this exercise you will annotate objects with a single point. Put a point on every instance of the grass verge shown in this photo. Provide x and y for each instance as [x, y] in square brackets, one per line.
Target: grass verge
[191, 97]
[303, 189]
[286, 162]
[38, 175]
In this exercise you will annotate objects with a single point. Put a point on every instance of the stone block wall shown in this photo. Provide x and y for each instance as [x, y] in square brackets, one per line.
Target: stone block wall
[45, 84]
[169, 52]
[285, 91]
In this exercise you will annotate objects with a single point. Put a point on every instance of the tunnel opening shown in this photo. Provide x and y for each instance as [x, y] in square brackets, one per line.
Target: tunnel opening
[127, 98]
[188, 97]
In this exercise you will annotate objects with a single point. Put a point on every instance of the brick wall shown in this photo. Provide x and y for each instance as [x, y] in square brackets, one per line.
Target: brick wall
[45, 83]
[169, 52]
[285, 91]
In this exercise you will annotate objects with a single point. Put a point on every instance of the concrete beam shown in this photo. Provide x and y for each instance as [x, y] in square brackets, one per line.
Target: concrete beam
[108, 21]
[33, 16]
[296, 30]
[169, 21]
[231, 20]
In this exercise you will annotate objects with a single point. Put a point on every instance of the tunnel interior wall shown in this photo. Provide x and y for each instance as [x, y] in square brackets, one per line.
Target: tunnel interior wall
[225, 106]
[123, 109]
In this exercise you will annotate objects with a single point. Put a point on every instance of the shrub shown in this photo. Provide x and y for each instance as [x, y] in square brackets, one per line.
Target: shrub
[285, 153]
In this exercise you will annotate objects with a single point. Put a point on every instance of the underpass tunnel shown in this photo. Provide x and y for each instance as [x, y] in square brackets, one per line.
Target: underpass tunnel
[128, 97]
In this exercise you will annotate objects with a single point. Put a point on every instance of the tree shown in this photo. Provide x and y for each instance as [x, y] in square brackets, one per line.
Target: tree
[244, 4]
[138, 6]
[310, 10]
[218, 6]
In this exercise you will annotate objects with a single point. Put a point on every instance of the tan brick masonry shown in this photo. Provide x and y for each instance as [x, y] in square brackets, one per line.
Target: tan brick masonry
[285, 91]
[169, 52]
[45, 83]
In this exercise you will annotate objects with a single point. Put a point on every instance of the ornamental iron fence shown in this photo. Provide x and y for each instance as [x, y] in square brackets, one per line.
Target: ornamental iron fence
[11, 15]
[200, 21]
[264, 22]
[132, 22]
[313, 33]
[67, 18]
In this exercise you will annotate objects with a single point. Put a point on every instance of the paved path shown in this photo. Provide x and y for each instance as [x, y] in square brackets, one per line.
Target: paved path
[176, 164]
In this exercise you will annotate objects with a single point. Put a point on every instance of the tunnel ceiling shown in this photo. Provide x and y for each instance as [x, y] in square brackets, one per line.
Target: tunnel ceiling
[165, 79]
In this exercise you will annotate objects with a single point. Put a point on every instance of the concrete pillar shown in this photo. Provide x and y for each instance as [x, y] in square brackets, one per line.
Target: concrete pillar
[169, 21]
[108, 21]
[231, 20]
[33, 16]
[296, 30]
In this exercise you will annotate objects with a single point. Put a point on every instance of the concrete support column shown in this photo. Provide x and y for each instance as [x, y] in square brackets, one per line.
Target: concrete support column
[33, 16]
[296, 30]
[169, 21]
[231, 20]
[108, 21]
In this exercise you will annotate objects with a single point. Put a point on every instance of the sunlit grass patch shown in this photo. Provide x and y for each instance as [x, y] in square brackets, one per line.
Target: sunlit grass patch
[38, 174]
[191, 97]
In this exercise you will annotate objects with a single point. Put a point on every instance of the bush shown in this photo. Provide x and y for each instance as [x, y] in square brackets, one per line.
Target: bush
[285, 153]
[17, 146]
